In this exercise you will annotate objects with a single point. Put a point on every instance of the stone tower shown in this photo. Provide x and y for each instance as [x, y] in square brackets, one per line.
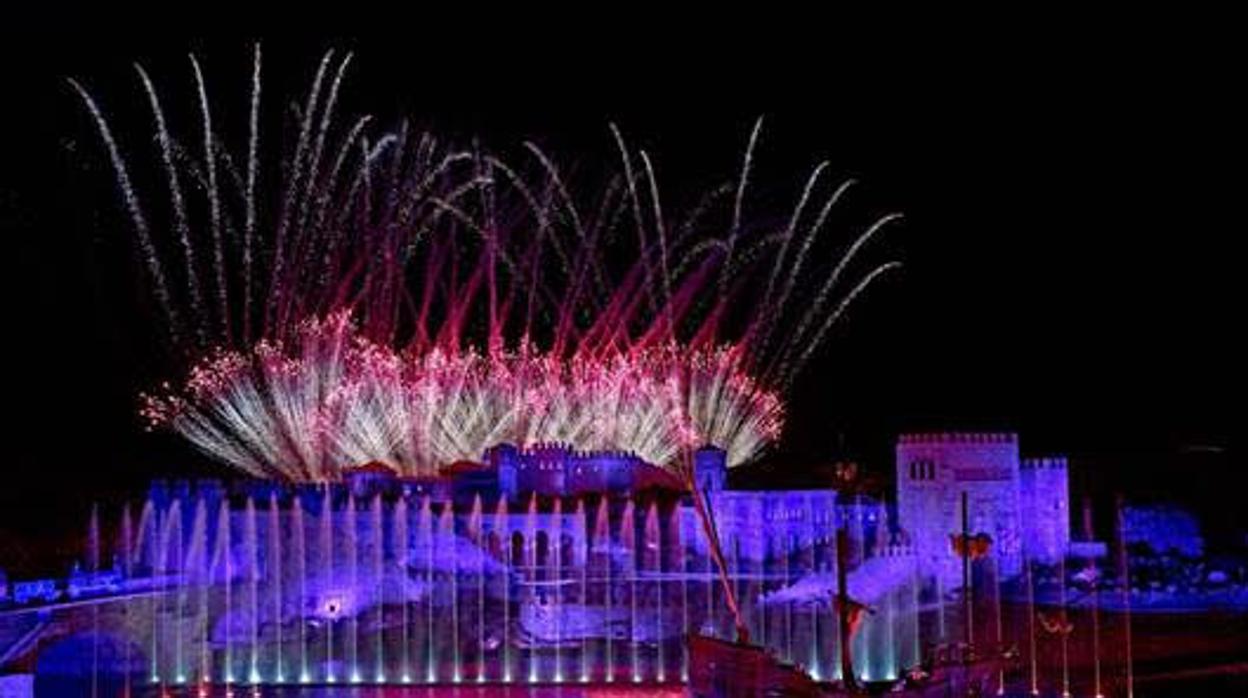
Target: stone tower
[710, 468]
[1044, 491]
[933, 470]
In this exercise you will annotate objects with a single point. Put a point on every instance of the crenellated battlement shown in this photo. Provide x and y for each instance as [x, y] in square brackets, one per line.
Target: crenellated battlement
[610, 454]
[959, 437]
[561, 449]
[541, 449]
[558, 469]
[1045, 463]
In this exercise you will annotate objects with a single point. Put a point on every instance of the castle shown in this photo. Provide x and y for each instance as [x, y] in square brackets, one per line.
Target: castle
[1021, 503]
[545, 563]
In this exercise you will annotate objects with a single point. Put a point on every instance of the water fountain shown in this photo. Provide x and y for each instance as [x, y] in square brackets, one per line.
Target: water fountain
[477, 535]
[425, 544]
[431, 594]
[351, 551]
[583, 541]
[653, 564]
[530, 573]
[446, 543]
[401, 545]
[300, 567]
[1033, 670]
[501, 519]
[174, 566]
[377, 549]
[328, 610]
[327, 585]
[252, 563]
[275, 565]
[812, 564]
[125, 546]
[997, 621]
[628, 539]
[199, 561]
[1063, 632]
[1094, 594]
[1124, 581]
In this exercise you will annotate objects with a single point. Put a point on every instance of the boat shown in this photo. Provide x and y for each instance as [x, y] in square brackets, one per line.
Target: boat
[726, 669]
[729, 669]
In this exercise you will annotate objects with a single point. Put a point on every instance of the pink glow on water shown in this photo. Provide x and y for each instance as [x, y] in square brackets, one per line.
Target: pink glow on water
[465, 691]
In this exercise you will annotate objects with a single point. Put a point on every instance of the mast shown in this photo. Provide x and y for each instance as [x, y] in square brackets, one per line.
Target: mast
[968, 631]
[843, 610]
[701, 505]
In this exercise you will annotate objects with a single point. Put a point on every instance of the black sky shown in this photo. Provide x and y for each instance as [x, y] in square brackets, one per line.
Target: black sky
[1072, 191]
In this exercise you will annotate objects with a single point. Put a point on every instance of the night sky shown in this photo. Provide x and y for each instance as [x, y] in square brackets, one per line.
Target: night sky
[1071, 197]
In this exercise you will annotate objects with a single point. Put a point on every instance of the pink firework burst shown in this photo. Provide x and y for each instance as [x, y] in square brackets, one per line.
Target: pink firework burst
[333, 399]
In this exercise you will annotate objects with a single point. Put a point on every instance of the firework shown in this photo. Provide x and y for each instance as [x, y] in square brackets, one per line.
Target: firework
[410, 303]
[332, 399]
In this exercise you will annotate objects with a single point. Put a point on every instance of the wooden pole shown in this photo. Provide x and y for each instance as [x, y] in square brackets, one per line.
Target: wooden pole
[707, 518]
[1125, 581]
[843, 610]
[969, 632]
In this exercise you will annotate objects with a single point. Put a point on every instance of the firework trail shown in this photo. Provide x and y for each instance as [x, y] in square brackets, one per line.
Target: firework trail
[416, 304]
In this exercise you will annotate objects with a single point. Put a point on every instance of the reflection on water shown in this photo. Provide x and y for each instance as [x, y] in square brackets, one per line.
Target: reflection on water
[637, 691]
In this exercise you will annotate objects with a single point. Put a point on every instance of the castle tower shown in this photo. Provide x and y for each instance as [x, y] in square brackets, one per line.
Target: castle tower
[1044, 496]
[505, 459]
[932, 472]
[710, 468]
[543, 468]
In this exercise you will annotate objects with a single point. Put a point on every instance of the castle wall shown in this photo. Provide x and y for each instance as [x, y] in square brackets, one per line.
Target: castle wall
[1045, 506]
[762, 525]
[601, 471]
[541, 470]
[866, 523]
[555, 469]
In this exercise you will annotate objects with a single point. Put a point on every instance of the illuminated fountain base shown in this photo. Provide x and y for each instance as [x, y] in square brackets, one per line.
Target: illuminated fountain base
[322, 588]
[294, 594]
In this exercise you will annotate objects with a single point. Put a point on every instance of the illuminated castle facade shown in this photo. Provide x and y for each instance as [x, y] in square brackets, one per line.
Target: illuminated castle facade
[1023, 504]
[558, 470]
[536, 564]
